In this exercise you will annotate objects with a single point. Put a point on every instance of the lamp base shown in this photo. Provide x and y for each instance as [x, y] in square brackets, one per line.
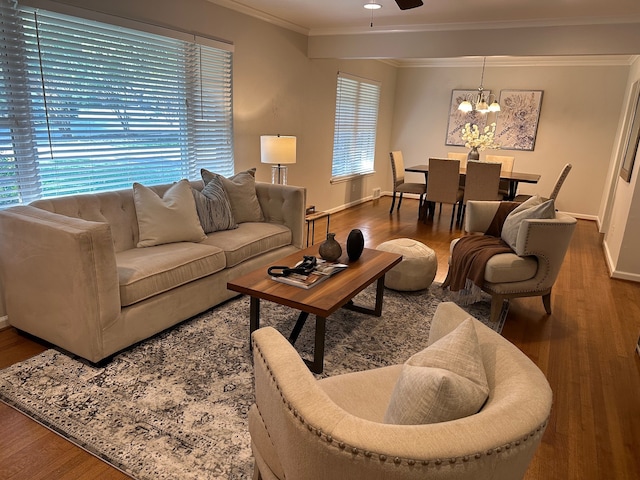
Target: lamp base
[279, 174]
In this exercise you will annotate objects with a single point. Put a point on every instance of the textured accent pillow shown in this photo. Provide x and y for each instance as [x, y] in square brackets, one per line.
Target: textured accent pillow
[213, 207]
[241, 189]
[534, 207]
[443, 382]
[172, 218]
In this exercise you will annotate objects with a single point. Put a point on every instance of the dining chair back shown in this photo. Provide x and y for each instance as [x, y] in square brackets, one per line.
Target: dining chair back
[443, 183]
[561, 178]
[556, 188]
[507, 166]
[483, 180]
[458, 156]
[399, 185]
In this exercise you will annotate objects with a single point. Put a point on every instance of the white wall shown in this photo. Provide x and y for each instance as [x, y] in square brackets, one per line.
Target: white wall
[578, 121]
[623, 233]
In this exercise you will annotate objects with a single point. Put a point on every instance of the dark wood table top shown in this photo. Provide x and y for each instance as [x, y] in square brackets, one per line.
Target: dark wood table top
[326, 297]
[513, 176]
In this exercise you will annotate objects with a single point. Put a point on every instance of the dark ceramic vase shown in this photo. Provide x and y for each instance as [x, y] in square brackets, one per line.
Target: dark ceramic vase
[474, 154]
[330, 249]
[355, 244]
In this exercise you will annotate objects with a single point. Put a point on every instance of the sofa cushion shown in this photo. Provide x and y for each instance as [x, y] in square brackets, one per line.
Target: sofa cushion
[241, 189]
[145, 272]
[213, 207]
[509, 267]
[170, 218]
[249, 240]
[443, 382]
[535, 207]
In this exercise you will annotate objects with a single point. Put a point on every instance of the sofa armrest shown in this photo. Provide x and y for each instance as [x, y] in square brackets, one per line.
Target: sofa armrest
[60, 278]
[284, 204]
[479, 214]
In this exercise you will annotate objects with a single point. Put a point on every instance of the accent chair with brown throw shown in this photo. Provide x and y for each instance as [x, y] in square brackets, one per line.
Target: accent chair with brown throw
[468, 406]
[529, 242]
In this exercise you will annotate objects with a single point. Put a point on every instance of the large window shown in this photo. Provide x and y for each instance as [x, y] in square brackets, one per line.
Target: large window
[87, 106]
[354, 138]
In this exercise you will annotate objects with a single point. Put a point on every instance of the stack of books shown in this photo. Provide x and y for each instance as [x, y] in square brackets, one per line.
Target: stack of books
[322, 271]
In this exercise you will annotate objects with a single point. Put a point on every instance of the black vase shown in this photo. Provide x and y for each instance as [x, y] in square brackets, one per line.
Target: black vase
[355, 244]
[330, 249]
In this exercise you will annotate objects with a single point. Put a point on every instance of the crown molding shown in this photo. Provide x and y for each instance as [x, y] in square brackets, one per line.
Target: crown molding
[552, 22]
[498, 61]
[260, 15]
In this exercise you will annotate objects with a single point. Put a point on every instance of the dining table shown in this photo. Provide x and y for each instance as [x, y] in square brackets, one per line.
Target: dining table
[514, 178]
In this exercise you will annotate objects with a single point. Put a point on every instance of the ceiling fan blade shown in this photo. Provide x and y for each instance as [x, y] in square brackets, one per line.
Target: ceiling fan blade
[407, 4]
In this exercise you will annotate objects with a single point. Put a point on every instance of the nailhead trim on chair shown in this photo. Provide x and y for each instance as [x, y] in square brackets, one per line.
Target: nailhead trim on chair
[381, 456]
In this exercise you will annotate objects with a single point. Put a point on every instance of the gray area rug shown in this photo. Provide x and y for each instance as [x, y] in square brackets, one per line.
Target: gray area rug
[175, 406]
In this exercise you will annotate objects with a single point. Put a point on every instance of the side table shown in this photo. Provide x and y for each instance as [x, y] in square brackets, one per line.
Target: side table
[311, 222]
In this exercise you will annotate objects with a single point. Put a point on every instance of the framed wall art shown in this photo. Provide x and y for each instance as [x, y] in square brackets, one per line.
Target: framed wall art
[457, 119]
[633, 134]
[517, 124]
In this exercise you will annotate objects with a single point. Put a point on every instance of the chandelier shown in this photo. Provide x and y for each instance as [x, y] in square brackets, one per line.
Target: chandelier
[480, 101]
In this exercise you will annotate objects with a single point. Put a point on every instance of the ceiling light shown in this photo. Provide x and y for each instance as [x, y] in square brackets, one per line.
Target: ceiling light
[372, 5]
[480, 102]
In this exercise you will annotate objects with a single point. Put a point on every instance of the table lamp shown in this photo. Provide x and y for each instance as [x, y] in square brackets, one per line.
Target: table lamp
[278, 150]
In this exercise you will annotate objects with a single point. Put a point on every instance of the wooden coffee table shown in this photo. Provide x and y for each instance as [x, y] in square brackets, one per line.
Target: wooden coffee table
[321, 300]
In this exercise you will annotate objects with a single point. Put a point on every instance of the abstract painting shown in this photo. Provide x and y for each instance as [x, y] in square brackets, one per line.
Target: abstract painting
[517, 123]
[457, 119]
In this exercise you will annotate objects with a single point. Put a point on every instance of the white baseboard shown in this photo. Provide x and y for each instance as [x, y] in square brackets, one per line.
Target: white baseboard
[4, 322]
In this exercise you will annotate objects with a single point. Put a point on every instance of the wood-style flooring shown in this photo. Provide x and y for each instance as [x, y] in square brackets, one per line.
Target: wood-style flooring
[586, 348]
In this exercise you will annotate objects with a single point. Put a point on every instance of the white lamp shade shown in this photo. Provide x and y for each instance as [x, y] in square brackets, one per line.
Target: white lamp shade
[280, 149]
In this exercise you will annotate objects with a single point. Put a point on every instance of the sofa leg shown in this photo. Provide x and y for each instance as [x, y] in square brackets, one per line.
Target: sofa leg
[546, 301]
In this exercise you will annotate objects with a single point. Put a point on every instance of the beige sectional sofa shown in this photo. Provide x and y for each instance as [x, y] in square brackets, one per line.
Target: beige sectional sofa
[74, 276]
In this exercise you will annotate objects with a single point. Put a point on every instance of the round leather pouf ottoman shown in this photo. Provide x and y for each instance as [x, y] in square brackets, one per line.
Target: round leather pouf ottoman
[417, 269]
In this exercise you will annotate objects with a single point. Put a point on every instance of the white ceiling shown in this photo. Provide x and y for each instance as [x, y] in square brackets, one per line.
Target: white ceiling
[320, 17]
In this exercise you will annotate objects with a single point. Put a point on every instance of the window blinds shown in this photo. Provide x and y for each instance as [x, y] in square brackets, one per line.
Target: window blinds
[354, 140]
[87, 106]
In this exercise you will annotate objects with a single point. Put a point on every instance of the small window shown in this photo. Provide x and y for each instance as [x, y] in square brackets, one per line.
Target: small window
[354, 139]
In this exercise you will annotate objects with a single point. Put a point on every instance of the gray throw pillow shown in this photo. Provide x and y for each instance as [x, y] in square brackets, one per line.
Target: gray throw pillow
[241, 190]
[535, 207]
[214, 209]
[443, 382]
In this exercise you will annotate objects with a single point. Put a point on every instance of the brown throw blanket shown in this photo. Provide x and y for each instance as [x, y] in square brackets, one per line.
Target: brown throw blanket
[471, 253]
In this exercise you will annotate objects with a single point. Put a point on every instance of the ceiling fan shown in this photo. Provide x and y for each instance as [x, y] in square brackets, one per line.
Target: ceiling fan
[407, 4]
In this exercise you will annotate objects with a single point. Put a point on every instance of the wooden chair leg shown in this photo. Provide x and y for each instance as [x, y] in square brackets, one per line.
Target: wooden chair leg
[496, 308]
[256, 472]
[447, 280]
[399, 201]
[393, 202]
[546, 301]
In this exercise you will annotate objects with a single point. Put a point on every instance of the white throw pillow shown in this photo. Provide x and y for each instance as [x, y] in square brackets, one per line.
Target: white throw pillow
[534, 207]
[241, 189]
[443, 382]
[172, 218]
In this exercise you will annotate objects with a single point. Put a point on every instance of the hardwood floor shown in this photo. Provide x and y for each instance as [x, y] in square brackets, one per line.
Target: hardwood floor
[586, 348]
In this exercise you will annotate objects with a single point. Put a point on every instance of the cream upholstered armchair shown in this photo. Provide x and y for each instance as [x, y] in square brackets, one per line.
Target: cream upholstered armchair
[307, 429]
[532, 268]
